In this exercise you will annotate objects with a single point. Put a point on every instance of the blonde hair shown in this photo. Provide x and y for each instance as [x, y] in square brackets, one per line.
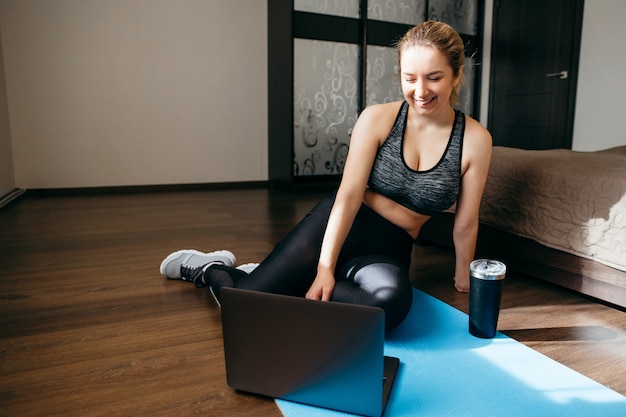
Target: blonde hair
[443, 38]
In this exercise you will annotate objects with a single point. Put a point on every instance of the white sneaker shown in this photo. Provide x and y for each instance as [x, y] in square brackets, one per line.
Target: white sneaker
[186, 264]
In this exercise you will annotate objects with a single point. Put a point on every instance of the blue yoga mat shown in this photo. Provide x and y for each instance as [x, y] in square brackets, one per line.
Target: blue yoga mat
[445, 371]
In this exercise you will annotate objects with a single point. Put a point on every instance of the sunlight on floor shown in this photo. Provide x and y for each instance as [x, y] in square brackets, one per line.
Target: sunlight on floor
[560, 385]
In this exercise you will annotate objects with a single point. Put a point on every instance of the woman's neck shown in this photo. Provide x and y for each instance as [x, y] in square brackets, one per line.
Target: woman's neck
[441, 119]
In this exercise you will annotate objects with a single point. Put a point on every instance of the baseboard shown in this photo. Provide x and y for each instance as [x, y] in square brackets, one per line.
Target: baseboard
[138, 189]
[13, 195]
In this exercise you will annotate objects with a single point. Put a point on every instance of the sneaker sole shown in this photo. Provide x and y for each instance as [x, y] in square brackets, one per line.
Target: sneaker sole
[249, 267]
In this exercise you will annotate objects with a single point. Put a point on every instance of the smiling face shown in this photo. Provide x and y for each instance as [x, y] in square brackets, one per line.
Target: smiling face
[427, 79]
[431, 57]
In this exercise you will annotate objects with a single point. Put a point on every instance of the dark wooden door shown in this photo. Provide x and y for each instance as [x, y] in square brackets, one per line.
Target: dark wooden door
[534, 68]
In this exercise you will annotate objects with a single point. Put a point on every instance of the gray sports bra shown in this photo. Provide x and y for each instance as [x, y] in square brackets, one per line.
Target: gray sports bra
[426, 192]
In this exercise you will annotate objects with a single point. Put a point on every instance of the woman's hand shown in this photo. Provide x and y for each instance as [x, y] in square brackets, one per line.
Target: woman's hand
[461, 285]
[322, 287]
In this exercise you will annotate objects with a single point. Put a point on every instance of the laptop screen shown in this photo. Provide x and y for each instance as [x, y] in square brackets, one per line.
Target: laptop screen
[319, 353]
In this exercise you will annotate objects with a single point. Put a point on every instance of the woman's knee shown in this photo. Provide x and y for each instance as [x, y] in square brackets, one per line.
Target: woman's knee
[380, 282]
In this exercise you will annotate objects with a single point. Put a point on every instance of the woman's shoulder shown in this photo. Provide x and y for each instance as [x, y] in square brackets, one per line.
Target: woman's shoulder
[477, 144]
[381, 115]
[476, 133]
[383, 109]
[376, 121]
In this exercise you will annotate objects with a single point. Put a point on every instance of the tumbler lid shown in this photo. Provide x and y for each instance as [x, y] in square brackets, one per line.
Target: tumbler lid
[487, 269]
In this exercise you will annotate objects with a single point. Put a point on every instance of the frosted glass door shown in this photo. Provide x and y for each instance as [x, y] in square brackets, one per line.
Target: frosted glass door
[325, 105]
[344, 61]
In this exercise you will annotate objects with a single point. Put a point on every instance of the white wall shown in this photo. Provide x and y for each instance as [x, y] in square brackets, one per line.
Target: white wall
[486, 64]
[600, 120]
[7, 180]
[141, 92]
[136, 92]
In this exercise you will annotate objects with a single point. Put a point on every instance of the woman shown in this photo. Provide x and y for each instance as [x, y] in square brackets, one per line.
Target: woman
[407, 161]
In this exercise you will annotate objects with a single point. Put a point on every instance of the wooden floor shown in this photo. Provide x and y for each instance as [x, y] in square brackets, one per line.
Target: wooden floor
[89, 327]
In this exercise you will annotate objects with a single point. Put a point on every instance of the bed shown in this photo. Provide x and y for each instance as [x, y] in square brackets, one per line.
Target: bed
[558, 215]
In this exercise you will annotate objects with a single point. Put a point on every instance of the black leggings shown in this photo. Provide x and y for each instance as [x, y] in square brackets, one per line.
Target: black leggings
[372, 269]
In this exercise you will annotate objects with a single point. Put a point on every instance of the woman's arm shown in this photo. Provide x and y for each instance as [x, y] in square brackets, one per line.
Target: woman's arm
[476, 160]
[367, 136]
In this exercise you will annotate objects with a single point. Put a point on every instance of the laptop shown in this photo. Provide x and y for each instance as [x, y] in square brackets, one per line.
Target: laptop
[325, 354]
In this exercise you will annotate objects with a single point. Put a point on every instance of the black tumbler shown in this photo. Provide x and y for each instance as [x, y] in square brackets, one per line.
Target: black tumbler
[486, 280]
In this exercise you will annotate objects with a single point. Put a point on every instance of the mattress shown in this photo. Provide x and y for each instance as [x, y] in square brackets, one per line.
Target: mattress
[567, 200]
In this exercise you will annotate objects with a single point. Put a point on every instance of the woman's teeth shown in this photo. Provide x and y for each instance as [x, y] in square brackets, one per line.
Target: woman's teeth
[423, 102]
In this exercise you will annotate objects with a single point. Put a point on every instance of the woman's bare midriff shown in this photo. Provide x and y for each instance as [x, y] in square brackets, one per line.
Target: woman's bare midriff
[397, 214]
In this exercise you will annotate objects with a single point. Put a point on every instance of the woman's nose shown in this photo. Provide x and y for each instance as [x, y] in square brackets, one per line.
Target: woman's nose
[421, 88]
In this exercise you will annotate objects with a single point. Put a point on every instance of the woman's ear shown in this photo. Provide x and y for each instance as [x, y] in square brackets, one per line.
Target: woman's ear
[457, 79]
